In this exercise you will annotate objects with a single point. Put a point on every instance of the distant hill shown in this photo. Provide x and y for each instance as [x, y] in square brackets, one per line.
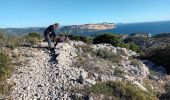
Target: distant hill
[21, 31]
[72, 29]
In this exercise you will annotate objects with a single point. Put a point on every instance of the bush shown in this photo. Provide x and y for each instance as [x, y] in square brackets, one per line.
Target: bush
[35, 35]
[124, 45]
[159, 55]
[2, 39]
[5, 72]
[108, 38]
[32, 38]
[5, 65]
[134, 47]
[13, 42]
[86, 39]
[10, 41]
[108, 55]
[162, 35]
[115, 40]
[122, 90]
[2, 36]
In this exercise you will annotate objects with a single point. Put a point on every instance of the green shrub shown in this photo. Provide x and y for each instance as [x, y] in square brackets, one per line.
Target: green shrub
[32, 38]
[35, 35]
[2, 39]
[5, 65]
[162, 35]
[13, 42]
[2, 35]
[159, 55]
[86, 39]
[115, 40]
[5, 89]
[124, 45]
[108, 55]
[122, 90]
[134, 47]
[5, 72]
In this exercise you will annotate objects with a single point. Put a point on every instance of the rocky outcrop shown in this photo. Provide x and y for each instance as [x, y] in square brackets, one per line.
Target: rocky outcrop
[42, 76]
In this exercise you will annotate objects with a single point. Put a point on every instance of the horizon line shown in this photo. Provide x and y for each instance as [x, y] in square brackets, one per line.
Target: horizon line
[86, 23]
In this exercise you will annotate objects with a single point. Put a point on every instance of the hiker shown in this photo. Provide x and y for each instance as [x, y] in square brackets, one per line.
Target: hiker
[49, 34]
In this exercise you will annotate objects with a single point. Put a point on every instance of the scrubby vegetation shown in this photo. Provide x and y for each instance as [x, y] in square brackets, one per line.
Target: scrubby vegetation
[162, 35]
[159, 55]
[35, 35]
[108, 55]
[32, 38]
[13, 41]
[2, 39]
[115, 40]
[6, 69]
[16, 41]
[5, 65]
[122, 90]
[119, 90]
[10, 41]
[86, 39]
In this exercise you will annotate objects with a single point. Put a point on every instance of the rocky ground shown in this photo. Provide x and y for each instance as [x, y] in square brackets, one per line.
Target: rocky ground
[40, 76]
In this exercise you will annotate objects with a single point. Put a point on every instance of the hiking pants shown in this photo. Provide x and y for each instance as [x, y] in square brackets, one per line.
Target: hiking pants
[47, 37]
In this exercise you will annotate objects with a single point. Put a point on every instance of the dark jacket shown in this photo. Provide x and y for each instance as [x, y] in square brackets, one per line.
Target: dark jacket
[50, 31]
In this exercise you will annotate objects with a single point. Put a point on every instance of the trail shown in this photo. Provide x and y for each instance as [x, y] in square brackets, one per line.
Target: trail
[41, 76]
[46, 77]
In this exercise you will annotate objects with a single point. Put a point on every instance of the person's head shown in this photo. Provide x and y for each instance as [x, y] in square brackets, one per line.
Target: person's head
[56, 25]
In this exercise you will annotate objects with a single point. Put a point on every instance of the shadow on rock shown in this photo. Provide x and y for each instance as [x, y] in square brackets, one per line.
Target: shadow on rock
[53, 56]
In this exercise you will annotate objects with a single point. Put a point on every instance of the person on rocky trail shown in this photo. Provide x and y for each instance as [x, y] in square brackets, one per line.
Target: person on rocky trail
[49, 34]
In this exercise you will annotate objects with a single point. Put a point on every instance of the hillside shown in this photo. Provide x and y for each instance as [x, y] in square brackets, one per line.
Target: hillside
[79, 70]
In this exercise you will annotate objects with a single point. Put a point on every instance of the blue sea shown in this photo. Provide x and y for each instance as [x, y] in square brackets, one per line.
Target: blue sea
[146, 27]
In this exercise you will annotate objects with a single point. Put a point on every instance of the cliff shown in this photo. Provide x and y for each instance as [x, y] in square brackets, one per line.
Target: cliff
[85, 28]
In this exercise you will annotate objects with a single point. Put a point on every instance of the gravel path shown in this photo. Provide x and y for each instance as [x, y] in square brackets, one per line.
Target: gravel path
[43, 78]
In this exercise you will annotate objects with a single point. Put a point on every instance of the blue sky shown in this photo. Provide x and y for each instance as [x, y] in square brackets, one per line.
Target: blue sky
[28, 13]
